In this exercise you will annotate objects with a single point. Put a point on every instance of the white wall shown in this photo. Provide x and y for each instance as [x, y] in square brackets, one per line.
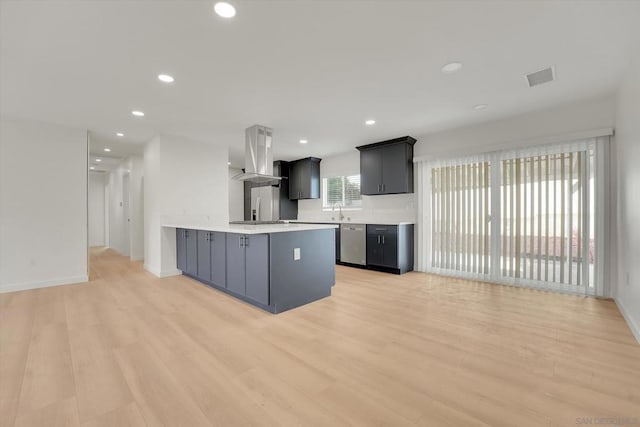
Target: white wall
[43, 205]
[627, 176]
[236, 196]
[391, 208]
[185, 181]
[97, 188]
[521, 130]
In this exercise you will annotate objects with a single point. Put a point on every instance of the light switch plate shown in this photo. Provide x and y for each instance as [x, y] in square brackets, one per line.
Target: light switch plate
[296, 254]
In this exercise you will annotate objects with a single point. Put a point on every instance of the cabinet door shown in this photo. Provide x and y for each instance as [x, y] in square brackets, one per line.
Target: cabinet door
[257, 268]
[375, 254]
[181, 249]
[294, 180]
[370, 172]
[394, 169]
[204, 256]
[219, 258]
[235, 263]
[192, 252]
[390, 247]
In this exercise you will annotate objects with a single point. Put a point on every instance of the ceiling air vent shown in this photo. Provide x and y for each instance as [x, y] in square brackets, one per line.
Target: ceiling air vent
[540, 77]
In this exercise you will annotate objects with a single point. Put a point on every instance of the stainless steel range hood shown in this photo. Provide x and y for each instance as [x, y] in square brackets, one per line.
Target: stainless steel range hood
[258, 157]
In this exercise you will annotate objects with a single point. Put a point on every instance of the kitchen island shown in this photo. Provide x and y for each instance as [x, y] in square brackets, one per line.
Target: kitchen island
[275, 267]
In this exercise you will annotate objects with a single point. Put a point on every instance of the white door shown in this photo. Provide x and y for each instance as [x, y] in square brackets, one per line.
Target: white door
[126, 216]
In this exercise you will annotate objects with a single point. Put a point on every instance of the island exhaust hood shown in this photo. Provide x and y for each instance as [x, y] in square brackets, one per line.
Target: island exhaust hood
[258, 156]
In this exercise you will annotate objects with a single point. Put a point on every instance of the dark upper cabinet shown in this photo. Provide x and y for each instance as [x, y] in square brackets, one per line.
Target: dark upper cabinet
[390, 247]
[387, 167]
[304, 179]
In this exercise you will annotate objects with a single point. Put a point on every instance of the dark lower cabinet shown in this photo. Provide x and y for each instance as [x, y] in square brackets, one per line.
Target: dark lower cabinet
[248, 266]
[390, 247]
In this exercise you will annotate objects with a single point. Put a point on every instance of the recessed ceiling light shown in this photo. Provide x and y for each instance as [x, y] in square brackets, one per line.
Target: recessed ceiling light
[479, 107]
[166, 78]
[224, 9]
[91, 167]
[228, 163]
[303, 141]
[451, 67]
[107, 149]
[98, 160]
[370, 122]
[137, 113]
[120, 134]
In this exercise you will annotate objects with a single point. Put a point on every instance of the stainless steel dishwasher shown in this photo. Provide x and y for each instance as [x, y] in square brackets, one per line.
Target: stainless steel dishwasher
[353, 243]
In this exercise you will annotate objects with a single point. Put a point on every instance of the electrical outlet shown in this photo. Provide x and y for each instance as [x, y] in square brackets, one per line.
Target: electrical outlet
[296, 254]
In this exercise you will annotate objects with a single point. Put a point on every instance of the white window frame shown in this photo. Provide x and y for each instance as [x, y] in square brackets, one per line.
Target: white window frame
[326, 207]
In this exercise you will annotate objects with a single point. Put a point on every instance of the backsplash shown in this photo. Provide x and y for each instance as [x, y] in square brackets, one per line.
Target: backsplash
[387, 208]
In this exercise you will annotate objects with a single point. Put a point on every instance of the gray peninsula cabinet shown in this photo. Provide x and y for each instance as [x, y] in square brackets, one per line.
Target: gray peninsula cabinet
[387, 167]
[248, 266]
[212, 257]
[275, 270]
[187, 248]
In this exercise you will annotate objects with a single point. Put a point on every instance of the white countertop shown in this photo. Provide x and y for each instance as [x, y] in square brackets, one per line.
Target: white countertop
[383, 222]
[253, 229]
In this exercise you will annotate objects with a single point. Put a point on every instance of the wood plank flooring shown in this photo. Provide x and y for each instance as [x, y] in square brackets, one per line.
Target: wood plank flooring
[131, 349]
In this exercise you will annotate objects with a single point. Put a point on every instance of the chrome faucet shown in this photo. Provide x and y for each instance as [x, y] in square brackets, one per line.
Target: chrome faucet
[340, 216]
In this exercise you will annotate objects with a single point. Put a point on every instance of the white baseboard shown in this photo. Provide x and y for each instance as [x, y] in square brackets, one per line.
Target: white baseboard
[163, 273]
[635, 329]
[15, 287]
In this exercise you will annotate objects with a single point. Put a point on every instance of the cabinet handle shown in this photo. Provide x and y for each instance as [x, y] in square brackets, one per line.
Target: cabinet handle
[246, 241]
[378, 239]
[240, 240]
[383, 192]
[383, 240]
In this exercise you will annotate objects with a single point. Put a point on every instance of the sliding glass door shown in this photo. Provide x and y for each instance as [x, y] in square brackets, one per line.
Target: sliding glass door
[517, 217]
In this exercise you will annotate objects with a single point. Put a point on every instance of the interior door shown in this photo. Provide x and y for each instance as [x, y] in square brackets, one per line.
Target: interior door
[235, 263]
[126, 216]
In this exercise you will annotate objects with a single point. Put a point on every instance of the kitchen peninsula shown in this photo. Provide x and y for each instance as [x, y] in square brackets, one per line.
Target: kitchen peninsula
[275, 267]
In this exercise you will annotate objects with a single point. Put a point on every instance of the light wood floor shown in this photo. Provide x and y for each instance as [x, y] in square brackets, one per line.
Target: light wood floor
[130, 349]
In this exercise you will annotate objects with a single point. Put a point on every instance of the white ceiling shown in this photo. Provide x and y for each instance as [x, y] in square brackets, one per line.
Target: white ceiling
[308, 69]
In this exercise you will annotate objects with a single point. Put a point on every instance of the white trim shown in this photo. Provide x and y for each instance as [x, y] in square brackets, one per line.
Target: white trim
[635, 328]
[513, 145]
[164, 273]
[15, 287]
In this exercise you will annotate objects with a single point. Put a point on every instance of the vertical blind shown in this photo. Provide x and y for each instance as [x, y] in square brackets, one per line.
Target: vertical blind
[460, 217]
[525, 217]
